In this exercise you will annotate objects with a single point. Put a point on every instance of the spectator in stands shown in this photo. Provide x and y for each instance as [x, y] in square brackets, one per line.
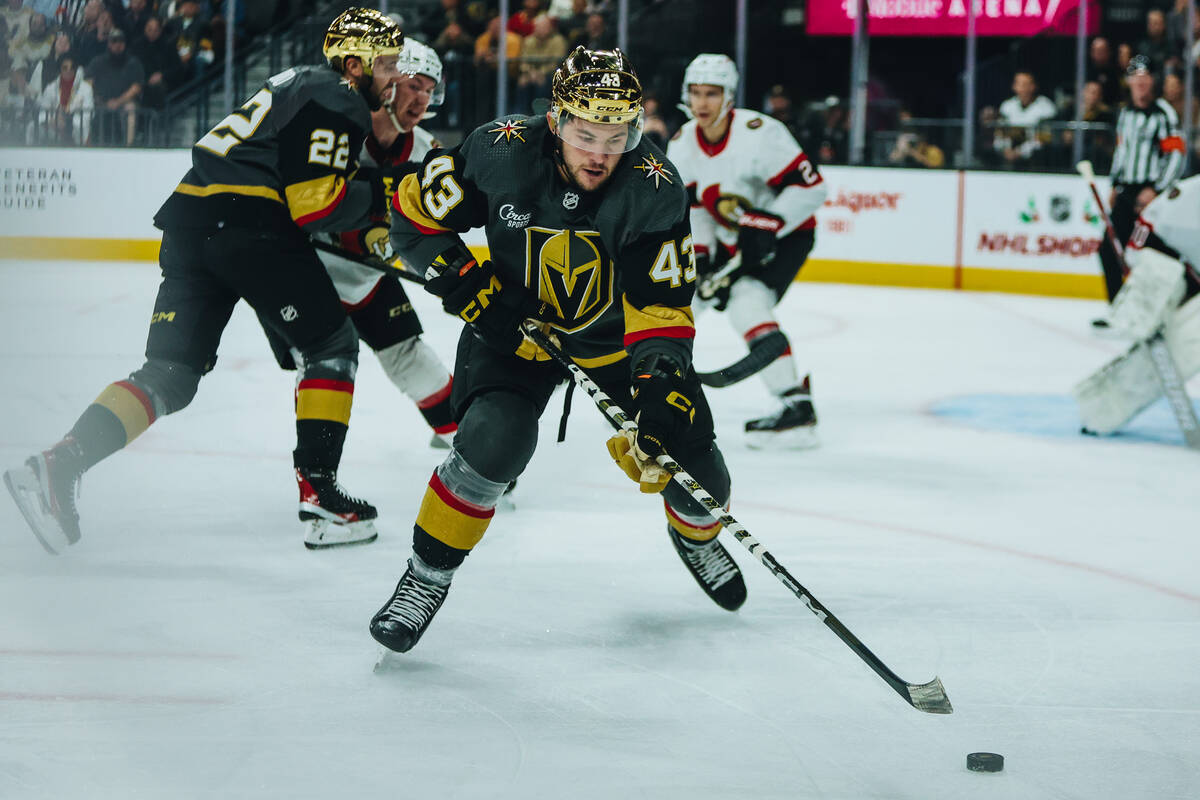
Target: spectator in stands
[1173, 92]
[189, 31]
[467, 17]
[654, 127]
[828, 133]
[487, 60]
[27, 52]
[133, 20]
[1019, 140]
[1098, 142]
[160, 60]
[913, 149]
[1177, 22]
[987, 155]
[16, 17]
[454, 39]
[573, 25]
[1102, 69]
[596, 35]
[93, 41]
[66, 105]
[521, 23]
[541, 53]
[1155, 46]
[117, 79]
[779, 105]
[45, 71]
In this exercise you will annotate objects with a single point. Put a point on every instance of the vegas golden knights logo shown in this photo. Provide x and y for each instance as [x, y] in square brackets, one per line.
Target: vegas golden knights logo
[569, 270]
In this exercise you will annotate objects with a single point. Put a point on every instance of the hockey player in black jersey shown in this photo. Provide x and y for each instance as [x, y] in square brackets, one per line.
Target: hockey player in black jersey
[587, 225]
[378, 304]
[236, 227]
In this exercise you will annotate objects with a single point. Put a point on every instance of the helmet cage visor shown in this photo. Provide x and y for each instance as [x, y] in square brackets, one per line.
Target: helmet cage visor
[605, 138]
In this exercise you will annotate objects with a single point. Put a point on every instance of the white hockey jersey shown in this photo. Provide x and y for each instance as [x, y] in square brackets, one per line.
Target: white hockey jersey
[757, 165]
[1175, 217]
[355, 283]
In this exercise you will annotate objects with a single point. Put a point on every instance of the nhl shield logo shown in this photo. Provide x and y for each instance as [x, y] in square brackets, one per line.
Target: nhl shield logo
[571, 271]
[570, 201]
[1060, 208]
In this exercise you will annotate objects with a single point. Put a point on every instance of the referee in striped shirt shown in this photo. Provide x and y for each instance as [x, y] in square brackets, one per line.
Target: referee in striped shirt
[1148, 159]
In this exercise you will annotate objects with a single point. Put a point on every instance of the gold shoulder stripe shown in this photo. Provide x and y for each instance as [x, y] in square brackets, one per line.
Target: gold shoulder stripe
[407, 201]
[228, 188]
[600, 361]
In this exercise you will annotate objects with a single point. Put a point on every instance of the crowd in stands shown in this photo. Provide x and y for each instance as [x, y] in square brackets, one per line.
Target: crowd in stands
[127, 55]
[77, 72]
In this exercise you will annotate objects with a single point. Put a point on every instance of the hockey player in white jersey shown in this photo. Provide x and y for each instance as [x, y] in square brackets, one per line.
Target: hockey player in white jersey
[753, 192]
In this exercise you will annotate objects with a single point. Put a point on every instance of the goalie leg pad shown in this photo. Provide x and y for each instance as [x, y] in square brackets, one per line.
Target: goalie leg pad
[1125, 386]
[1151, 292]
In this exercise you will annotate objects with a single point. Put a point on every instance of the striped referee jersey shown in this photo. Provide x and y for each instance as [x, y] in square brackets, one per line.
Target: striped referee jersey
[1150, 147]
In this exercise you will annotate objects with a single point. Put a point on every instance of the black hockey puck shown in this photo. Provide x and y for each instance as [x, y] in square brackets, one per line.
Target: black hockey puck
[985, 762]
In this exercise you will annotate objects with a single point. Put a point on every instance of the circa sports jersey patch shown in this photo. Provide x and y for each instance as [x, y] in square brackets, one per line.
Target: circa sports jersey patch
[507, 130]
[571, 271]
[754, 124]
[515, 219]
[651, 167]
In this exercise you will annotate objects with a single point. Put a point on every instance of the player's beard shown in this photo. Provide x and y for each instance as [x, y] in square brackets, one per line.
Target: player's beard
[575, 175]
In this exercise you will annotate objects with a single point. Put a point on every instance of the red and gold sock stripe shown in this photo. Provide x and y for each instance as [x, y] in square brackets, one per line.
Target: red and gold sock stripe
[688, 530]
[451, 520]
[321, 398]
[759, 331]
[130, 405]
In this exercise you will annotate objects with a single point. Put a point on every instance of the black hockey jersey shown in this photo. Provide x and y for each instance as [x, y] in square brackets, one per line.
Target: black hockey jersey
[616, 264]
[285, 158]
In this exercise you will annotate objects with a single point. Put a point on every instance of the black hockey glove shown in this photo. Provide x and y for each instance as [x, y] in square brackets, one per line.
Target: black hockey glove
[493, 306]
[660, 398]
[756, 237]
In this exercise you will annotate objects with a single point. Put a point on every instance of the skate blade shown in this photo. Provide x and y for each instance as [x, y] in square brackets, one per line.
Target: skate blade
[440, 442]
[800, 438]
[322, 534]
[26, 492]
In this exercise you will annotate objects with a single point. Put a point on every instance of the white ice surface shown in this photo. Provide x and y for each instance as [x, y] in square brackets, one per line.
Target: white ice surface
[190, 647]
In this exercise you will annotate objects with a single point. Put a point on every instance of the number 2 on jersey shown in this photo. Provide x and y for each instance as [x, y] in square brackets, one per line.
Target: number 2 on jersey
[238, 126]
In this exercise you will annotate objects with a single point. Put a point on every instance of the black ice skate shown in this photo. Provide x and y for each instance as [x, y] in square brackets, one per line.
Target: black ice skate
[713, 568]
[45, 488]
[333, 518]
[399, 624]
[793, 427]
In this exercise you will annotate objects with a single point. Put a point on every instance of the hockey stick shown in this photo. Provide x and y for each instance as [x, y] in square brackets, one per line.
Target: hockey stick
[929, 697]
[374, 262]
[1085, 169]
[710, 285]
[1173, 386]
[763, 353]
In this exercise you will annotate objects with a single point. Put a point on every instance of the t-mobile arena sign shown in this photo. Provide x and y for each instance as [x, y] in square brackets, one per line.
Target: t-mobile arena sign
[949, 17]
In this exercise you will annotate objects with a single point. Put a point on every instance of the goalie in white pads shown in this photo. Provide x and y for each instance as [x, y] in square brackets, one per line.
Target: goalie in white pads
[1160, 294]
[753, 192]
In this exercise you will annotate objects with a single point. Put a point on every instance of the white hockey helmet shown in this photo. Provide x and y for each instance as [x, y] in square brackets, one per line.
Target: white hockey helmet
[711, 69]
[417, 58]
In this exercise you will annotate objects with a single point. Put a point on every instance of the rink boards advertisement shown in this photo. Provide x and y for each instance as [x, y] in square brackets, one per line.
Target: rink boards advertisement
[946, 229]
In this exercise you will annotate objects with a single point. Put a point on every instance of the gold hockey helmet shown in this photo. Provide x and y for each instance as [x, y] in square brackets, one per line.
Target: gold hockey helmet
[598, 87]
[364, 33]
